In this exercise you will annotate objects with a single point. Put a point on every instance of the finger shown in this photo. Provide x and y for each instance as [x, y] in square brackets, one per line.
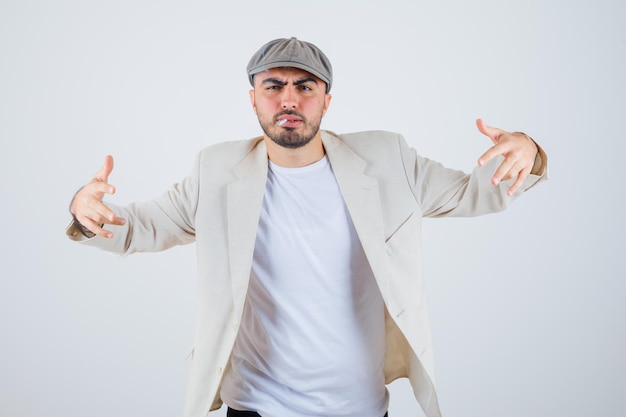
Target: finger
[97, 228]
[521, 178]
[105, 214]
[492, 133]
[491, 153]
[103, 173]
[90, 196]
[98, 213]
[112, 219]
[95, 219]
[99, 189]
[96, 190]
[504, 171]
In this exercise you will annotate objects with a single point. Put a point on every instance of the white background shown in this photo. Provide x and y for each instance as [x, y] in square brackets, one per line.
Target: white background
[527, 306]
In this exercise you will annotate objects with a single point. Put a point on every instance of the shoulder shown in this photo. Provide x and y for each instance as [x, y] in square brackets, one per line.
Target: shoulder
[369, 138]
[228, 153]
[373, 144]
[235, 147]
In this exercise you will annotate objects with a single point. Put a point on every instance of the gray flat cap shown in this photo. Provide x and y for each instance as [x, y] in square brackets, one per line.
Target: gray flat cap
[291, 53]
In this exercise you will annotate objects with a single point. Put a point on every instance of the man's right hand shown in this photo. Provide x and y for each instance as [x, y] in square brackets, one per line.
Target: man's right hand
[87, 206]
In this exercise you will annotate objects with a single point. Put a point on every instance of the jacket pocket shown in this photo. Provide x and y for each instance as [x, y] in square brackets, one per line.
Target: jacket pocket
[406, 236]
[192, 351]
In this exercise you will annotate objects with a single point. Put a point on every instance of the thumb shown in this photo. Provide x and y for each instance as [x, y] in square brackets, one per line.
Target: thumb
[492, 132]
[103, 173]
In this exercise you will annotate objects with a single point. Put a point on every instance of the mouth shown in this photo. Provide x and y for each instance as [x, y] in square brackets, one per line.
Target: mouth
[289, 120]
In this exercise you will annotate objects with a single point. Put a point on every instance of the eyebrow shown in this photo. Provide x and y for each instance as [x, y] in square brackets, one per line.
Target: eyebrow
[283, 83]
[305, 80]
[273, 81]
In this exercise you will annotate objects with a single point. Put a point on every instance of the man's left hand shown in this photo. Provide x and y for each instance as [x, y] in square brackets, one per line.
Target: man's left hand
[519, 152]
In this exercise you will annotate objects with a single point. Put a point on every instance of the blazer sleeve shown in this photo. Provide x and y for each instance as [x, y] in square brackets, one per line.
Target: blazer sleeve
[441, 191]
[151, 226]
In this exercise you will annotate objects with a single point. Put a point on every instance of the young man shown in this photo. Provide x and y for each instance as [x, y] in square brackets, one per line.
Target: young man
[309, 263]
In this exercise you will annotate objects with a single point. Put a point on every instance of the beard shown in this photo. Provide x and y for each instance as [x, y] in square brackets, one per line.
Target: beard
[288, 137]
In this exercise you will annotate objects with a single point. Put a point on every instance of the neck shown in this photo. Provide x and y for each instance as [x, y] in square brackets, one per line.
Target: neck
[295, 157]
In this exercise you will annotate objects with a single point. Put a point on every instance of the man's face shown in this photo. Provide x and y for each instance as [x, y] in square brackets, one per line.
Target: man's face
[295, 99]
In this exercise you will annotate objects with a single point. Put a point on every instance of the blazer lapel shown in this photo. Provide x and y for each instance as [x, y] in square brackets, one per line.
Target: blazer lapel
[245, 197]
[360, 193]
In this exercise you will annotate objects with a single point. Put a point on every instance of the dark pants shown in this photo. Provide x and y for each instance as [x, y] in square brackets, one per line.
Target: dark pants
[235, 413]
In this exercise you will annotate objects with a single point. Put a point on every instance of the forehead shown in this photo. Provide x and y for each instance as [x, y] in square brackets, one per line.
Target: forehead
[285, 74]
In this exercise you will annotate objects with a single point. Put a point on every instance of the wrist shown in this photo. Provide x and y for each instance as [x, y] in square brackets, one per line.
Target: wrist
[86, 232]
[538, 164]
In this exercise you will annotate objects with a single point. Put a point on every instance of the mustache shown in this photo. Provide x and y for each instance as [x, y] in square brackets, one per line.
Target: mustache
[290, 112]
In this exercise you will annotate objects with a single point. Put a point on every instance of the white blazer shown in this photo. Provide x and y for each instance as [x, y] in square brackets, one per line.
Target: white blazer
[387, 188]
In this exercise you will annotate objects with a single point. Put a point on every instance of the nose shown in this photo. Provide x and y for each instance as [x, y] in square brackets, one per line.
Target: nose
[289, 99]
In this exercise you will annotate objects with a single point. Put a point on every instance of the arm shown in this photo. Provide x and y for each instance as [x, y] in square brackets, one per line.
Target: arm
[513, 165]
[150, 226]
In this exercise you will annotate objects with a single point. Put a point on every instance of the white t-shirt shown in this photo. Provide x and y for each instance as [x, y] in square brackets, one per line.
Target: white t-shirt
[312, 338]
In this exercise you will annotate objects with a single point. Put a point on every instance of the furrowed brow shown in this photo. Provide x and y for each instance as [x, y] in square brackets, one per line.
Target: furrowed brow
[274, 81]
[305, 80]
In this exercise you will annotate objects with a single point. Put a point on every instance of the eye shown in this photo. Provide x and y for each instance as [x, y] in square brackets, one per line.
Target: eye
[304, 87]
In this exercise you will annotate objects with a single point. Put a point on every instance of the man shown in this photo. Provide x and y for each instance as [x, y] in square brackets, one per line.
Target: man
[309, 258]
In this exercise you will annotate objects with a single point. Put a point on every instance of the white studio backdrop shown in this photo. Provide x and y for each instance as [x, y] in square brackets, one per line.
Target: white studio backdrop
[527, 306]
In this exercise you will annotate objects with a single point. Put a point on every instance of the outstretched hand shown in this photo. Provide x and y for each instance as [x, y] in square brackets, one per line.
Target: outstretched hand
[519, 153]
[87, 206]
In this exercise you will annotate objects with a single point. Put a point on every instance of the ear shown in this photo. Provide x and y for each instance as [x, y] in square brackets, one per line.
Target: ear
[252, 102]
[327, 99]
